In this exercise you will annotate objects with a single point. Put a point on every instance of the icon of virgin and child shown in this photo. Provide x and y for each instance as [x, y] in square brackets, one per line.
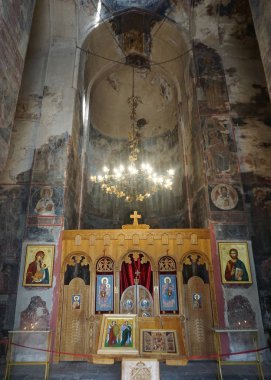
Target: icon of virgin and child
[119, 335]
[37, 271]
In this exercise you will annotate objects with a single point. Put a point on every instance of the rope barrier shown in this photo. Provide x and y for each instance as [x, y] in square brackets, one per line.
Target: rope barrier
[193, 357]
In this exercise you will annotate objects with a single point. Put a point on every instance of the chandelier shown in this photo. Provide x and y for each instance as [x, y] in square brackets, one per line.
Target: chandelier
[133, 181]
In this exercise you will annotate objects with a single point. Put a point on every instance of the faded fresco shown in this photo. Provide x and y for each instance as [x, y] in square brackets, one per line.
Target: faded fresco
[212, 90]
[35, 316]
[199, 210]
[51, 159]
[224, 197]
[13, 45]
[220, 150]
[241, 316]
[260, 12]
[13, 204]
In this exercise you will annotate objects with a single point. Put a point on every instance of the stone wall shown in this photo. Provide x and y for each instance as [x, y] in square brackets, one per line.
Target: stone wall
[15, 23]
[261, 11]
[233, 106]
[42, 144]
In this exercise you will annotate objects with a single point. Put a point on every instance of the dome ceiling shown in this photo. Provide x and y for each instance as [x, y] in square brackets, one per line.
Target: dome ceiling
[110, 111]
[134, 39]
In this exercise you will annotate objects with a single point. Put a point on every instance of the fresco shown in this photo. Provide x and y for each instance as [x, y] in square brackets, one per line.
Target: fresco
[231, 232]
[116, 5]
[13, 203]
[224, 197]
[199, 210]
[13, 47]
[241, 315]
[220, 150]
[35, 316]
[260, 11]
[50, 160]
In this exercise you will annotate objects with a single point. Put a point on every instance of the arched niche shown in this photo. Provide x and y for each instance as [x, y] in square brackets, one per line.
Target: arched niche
[136, 267]
[105, 84]
[136, 284]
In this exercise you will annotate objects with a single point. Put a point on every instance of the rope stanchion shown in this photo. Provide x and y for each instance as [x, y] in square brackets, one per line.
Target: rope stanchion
[215, 356]
[194, 357]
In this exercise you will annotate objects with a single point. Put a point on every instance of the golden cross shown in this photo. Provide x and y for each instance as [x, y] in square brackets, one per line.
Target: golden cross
[135, 216]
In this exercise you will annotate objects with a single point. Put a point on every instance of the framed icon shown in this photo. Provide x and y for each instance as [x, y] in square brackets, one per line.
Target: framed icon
[39, 262]
[234, 263]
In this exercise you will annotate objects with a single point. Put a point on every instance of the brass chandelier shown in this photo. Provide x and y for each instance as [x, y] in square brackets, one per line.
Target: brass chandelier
[132, 182]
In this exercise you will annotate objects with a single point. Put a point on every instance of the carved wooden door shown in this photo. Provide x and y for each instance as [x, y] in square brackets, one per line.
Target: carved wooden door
[136, 299]
[74, 324]
[199, 324]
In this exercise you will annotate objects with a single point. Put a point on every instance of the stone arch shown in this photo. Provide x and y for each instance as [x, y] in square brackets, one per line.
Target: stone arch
[92, 70]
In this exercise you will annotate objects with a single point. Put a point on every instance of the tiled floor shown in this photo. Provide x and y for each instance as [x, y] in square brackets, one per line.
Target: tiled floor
[201, 370]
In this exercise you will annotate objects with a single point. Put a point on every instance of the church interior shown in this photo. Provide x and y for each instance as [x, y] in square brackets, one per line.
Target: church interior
[135, 186]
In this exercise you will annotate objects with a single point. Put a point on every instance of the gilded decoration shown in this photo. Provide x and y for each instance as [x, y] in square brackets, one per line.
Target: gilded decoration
[194, 239]
[135, 216]
[167, 264]
[165, 239]
[136, 255]
[179, 239]
[92, 240]
[105, 264]
[77, 240]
